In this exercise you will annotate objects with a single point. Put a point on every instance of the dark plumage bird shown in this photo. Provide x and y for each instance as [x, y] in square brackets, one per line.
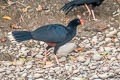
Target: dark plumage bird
[55, 35]
[69, 6]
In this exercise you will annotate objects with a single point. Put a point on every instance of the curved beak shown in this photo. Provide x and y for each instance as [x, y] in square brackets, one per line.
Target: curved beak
[81, 20]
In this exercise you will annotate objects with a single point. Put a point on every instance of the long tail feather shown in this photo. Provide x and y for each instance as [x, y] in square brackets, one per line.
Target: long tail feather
[21, 35]
[68, 7]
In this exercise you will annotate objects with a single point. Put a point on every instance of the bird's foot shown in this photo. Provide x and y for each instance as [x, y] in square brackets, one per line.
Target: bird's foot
[45, 56]
[57, 60]
[89, 19]
[95, 19]
[44, 60]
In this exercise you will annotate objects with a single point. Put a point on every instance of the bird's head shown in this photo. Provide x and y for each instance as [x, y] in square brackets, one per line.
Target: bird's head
[75, 22]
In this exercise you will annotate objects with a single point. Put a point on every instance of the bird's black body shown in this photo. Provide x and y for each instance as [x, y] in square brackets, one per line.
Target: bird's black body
[69, 6]
[52, 33]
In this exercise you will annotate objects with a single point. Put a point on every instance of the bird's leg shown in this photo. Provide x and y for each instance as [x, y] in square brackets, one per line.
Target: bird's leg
[89, 11]
[55, 51]
[84, 13]
[45, 55]
[57, 59]
[93, 14]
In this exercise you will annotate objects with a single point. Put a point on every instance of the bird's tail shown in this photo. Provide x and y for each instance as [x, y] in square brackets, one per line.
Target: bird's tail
[20, 36]
[68, 7]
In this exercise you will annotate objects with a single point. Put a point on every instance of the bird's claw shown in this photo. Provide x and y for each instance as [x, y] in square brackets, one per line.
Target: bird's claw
[95, 19]
[58, 62]
[44, 60]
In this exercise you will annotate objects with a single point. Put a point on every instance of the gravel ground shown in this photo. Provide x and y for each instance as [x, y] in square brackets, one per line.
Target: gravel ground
[97, 56]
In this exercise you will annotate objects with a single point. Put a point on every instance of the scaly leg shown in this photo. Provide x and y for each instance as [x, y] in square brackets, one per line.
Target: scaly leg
[57, 59]
[89, 11]
[93, 14]
[45, 55]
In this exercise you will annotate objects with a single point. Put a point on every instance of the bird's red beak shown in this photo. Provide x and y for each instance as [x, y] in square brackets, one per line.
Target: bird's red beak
[81, 21]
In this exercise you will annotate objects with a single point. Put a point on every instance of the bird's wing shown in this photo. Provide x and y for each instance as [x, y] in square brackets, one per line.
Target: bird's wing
[50, 33]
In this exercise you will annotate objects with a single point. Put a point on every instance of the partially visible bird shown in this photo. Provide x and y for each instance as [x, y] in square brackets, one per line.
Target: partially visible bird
[70, 5]
[55, 35]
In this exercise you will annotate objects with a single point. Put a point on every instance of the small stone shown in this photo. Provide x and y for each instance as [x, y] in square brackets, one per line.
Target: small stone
[81, 58]
[117, 44]
[76, 78]
[37, 75]
[29, 66]
[30, 77]
[13, 67]
[47, 66]
[117, 71]
[40, 79]
[1, 70]
[76, 71]
[103, 76]
[112, 58]
[111, 74]
[24, 51]
[68, 68]
[29, 63]
[17, 69]
[7, 63]
[42, 43]
[112, 33]
[118, 56]
[108, 40]
[66, 49]
[110, 44]
[62, 59]
[101, 49]
[105, 69]
[8, 71]
[116, 40]
[97, 79]
[87, 61]
[118, 34]
[101, 43]
[40, 71]
[19, 63]
[108, 49]
[97, 57]
[95, 40]
[93, 67]
[51, 71]
[24, 74]
[94, 77]
[11, 75]
[39, 56]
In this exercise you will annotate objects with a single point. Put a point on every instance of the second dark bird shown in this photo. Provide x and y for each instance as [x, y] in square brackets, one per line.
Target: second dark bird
[55, 35]
[70, 5]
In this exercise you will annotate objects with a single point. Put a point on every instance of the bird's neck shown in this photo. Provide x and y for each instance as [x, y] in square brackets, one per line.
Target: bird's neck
[72, 31]
[72, 28]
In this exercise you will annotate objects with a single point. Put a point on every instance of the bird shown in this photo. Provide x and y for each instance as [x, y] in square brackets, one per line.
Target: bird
[94, 3]
[55, 35]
